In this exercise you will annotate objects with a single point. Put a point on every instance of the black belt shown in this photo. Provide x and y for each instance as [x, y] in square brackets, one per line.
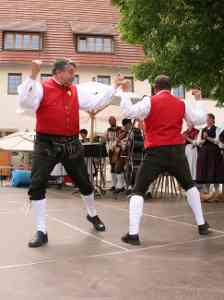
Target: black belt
[61, 139]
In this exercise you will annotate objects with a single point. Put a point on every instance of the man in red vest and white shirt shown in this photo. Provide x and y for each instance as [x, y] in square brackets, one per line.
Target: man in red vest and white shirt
[56, 103]
[163, 116]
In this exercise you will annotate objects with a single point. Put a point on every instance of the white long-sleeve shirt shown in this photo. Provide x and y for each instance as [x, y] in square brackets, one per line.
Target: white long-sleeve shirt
[92, 96]
[195, 112]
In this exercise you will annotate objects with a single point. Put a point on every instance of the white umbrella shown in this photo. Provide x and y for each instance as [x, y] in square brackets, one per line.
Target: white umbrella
[21, 141]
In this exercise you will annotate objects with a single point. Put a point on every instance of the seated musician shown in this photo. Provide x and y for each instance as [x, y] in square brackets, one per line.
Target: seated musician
[112, 135]
[84, 136]
[134, 151]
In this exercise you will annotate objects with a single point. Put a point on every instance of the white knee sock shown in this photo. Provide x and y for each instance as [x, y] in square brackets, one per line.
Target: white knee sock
[114, 179]
[123, 181]
[194, 201]
[206, 188]
[90, 204]
[216, 187]
[40, 214]
[135, 213]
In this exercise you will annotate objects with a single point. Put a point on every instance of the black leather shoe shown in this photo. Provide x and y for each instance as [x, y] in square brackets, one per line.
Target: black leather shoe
[39, 240]
[132, 239]
[203, 229]
[118, 191]
[97, 223]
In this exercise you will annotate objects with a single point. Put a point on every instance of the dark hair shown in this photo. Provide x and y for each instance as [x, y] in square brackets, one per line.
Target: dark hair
[61, 64]
[211, 116]
[162, 82]
[83, 131]
[153, 91]
[126, 121]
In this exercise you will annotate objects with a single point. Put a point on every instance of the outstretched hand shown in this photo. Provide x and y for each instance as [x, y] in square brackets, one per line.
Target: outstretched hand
[197, 94]
[35, 68]
[121, 82]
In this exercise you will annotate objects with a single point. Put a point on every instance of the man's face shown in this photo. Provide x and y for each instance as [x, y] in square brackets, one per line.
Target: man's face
[112, 121]
[210, 121]
[83, 135]
[128, 126]
[67, 76]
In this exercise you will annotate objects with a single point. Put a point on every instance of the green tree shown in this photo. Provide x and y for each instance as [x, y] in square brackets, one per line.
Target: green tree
[181, 38]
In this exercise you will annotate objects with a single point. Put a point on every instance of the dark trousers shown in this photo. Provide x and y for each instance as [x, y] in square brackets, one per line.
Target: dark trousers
[170, 159]
[46, 155]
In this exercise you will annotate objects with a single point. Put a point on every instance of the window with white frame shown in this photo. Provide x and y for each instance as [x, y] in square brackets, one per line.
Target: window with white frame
[22, 41]
[95, 44]
[44, 77]
[14, 80]
[179, 91]
[104, 79]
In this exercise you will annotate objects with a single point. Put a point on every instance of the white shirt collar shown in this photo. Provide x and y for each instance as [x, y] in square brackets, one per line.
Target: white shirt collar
[56, 81]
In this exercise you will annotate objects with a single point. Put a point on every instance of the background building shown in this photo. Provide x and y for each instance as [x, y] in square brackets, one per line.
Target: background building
[84, 31]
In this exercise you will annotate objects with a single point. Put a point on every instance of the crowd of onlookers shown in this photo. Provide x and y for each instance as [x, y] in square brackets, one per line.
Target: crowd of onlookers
[204, 151]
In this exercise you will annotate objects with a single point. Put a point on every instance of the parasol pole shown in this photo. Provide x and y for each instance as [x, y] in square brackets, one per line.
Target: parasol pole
[92, 125]
[93, 121]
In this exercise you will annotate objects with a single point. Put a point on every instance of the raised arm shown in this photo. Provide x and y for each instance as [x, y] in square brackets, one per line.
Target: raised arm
[195, 112]
[139, 110]
[94, 96]
[30, 92]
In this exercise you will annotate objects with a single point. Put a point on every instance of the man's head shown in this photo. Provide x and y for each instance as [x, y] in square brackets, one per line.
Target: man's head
[210, 120]
[127, 124]
[84, 133]
[112, 121]
[162, 82]
[64, 71]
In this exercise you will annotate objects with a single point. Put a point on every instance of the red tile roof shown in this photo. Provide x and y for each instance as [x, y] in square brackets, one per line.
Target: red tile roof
[62, 18]
[30, 26]
[79, 27]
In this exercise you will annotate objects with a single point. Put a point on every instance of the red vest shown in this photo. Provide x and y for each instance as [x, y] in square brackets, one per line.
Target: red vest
[164, 123]
[58, 113]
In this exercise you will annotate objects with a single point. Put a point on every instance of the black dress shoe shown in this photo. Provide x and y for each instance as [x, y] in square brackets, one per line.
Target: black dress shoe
[203, 229]
[118, 191]
[128, 192]
[148, 195]
[112, 189]
[39, 240]
[132, 239]
[97, 223]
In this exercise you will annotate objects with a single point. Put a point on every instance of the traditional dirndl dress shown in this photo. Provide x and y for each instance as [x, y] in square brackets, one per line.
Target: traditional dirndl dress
[191, 150]
[209, 156]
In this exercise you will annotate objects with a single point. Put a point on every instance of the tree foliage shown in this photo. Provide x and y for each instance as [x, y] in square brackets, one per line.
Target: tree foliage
[181, 38]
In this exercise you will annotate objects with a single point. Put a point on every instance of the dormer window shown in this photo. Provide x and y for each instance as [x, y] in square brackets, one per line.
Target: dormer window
[22, 41]
[95, 44]
[23, 35]
[94, 37]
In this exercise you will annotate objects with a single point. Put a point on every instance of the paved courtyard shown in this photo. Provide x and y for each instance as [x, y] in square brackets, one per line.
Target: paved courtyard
[172, 263]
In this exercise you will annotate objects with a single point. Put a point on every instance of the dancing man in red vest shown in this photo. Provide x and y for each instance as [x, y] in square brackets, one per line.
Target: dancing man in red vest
[57, 102]
[163, 116]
